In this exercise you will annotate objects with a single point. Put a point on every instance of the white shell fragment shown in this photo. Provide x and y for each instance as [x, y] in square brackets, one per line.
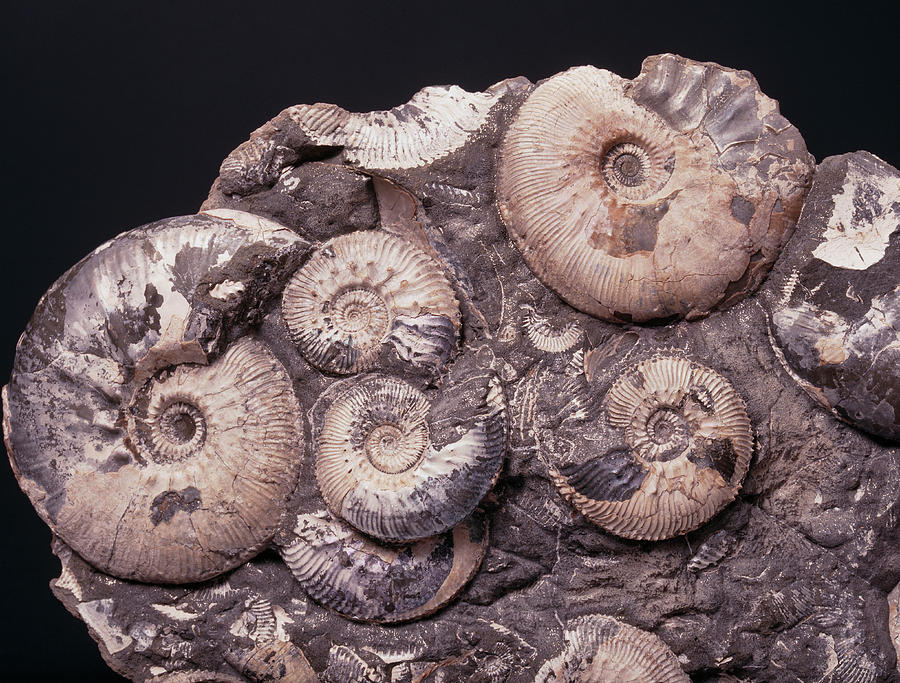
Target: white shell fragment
[149, 461]
[601, 649]
[378, 469]
[687, 446]
[367, 289]
[628, 199]
[342, 569]
[435, 122]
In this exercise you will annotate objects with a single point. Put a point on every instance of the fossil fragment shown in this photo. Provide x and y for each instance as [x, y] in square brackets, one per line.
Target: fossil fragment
[148, 460]
[647, 199]
[378, 469]
[600, 648]
[550, 335]
[686, 447]
[836, 309]
[346, 665]
[435, 122]
[713, 549]
[363, 290]
[274, 661]
[342, 569]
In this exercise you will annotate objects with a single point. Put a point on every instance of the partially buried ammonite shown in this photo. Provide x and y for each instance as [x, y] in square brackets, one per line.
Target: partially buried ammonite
[355, 576]
[365, 290]
[601, 649]
[150, 459]
[654, 198]
[686, 444]
[378, 469]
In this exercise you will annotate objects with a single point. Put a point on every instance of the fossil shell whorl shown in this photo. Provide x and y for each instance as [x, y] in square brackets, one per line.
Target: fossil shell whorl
[365, 289]
[552, 336]
[377, 468]
[435, 122]
[351, 574]
[687, 447]
[600, 648]
[274, 660]
[150, 462]
[628, 217]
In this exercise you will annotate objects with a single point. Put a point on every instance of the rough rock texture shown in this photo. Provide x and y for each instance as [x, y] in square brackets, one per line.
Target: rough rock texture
[792, 585]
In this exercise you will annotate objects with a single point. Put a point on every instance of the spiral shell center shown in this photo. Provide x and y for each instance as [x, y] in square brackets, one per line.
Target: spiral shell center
[635, 170]
[182, 424]
[392, 450]
[361, 310]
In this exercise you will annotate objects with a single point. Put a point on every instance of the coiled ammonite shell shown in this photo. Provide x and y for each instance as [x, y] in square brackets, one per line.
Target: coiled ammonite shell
[601, 649]
[836, 315]
[365, 289]
[687, 444]
[630, 199]
[148, 460]
[377, 467]
[552, 336]
[342, 569]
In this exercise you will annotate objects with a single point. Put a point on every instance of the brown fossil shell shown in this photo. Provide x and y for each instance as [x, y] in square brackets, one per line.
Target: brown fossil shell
[601, 649]
[360, 579]
[435, 122]
[377, 468]
[687, 447]
[365, 289]
[274, 661]
[551, 336]
[634, 211]
[151, 462]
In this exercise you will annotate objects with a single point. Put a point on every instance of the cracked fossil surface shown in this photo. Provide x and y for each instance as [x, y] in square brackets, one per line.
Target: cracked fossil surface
[482, 356]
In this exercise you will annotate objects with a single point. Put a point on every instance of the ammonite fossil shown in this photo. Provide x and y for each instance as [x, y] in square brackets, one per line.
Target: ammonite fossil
[836, 309]
[150, 460]
[342, 569]
[274, 660]
[378, 469]
[686, 444]
[654, 198]
[600, 648]
[365, 290]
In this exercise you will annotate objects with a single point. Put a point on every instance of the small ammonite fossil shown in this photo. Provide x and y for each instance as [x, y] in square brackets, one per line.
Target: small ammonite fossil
[363, 580]
[686, 446]
[654, 198]
[378, 469]
[367, 289]
[152, 460]
[601, 649]
[552, 336]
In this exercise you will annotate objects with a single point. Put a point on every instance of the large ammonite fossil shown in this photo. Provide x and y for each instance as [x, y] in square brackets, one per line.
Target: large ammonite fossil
[147, 459]
[365, 290]
[601, 649]
[686, 446]
[378, 469]
[344, 570]
[652, 198]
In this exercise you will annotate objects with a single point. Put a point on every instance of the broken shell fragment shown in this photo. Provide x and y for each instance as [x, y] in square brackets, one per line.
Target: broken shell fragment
[552, 336]
[377, 468]
[836, 311]
[150, 461]
[686, 447]
[628, 198]
[435, 122]
[600, 648]
[345, 571]
[273, 661]
[366, 289]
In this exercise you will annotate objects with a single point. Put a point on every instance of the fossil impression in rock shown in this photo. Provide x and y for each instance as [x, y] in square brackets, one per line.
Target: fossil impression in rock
[151, 457]
[365, 290]
[378, 469]
[836, 314]
[657, 198]
[446, 339]
[342, 569]
[686, 446]
[601, 648]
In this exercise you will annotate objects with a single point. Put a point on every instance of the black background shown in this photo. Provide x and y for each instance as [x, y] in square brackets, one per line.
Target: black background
[115, 116]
